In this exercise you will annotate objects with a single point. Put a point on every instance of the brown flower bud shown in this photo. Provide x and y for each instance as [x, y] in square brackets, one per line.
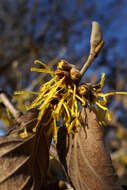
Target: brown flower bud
[64, 65]
[82, 90]
[75, 74]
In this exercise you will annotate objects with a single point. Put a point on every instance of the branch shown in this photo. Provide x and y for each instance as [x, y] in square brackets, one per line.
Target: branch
[96, 42]
[16, 114]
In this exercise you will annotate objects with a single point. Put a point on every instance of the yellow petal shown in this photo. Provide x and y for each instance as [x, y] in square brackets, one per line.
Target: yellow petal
[67, 111]
[24, 134]
[102, 79]
[42, 70]
[25, 92]
[43, 64]
[55, 131]
[102, 107]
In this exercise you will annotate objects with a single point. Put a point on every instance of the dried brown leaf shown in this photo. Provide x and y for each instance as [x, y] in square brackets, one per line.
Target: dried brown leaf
[23, 162]
[85, 156]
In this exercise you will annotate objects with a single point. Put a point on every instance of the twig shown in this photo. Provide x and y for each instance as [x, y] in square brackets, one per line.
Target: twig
[96, 43]
[16, 114]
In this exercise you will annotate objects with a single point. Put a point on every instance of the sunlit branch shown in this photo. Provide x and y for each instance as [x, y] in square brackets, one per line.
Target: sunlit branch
[16, 114]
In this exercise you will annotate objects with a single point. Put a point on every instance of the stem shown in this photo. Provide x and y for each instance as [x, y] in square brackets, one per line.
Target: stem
[16, 114]
[87, 64]
[91, 58]
[96, 43]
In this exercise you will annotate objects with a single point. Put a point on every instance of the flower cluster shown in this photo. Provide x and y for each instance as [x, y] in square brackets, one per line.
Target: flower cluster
[65, 98]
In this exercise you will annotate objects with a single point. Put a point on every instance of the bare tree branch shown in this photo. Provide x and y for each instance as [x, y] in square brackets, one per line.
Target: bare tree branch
[16, 114]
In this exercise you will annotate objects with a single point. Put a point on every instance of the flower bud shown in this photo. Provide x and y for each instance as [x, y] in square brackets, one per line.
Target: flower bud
[75, 74]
